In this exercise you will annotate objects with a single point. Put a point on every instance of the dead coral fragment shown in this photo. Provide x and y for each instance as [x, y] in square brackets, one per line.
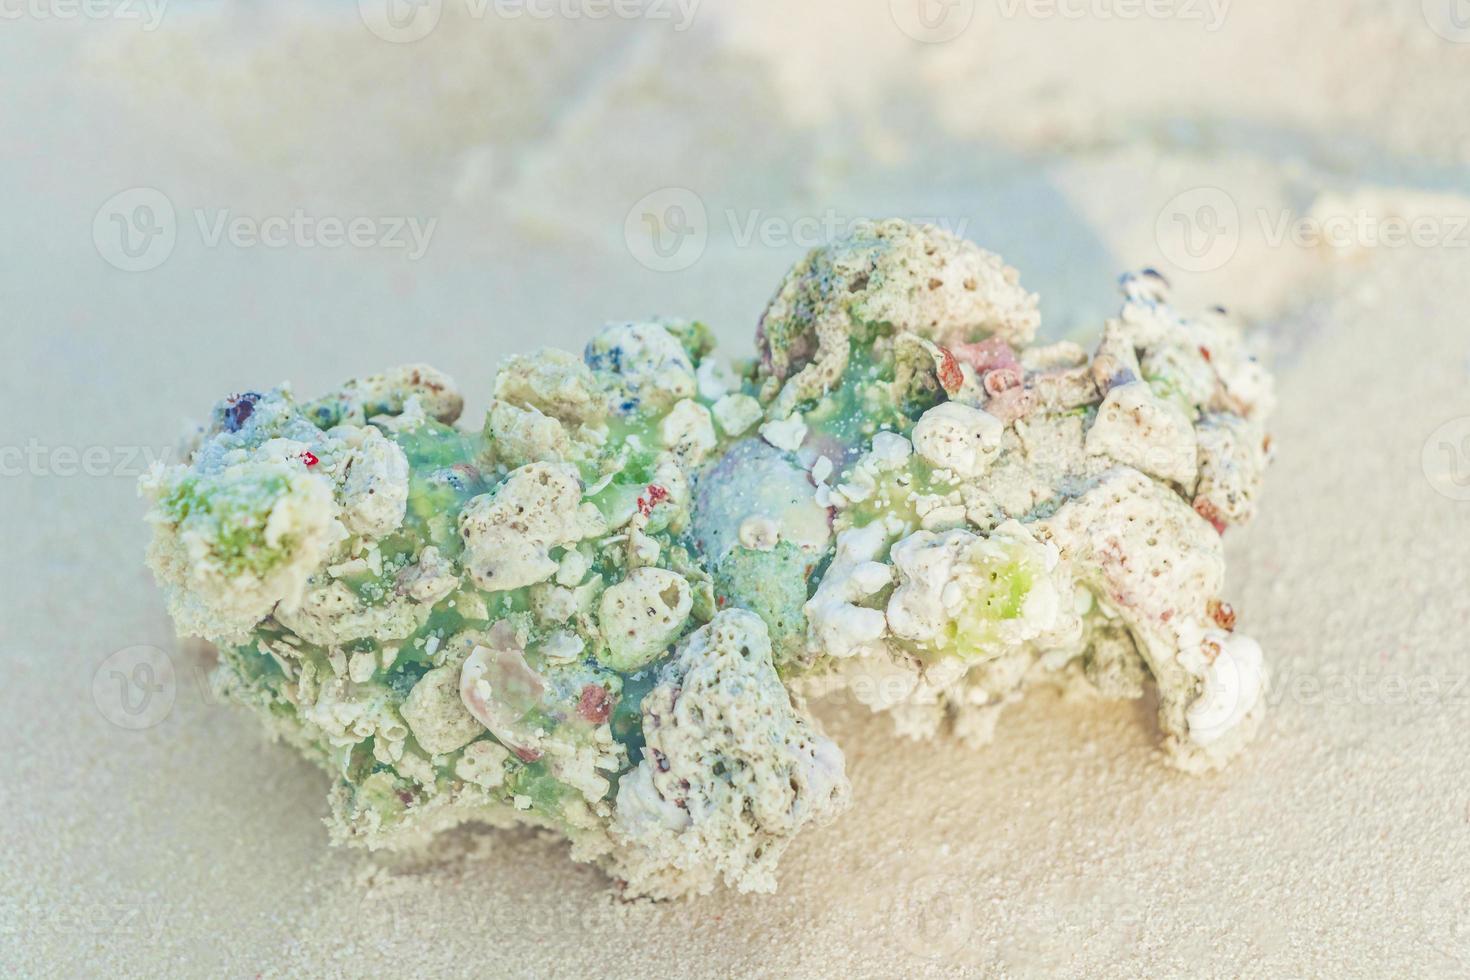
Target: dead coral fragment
[597, 612]
[731, 772]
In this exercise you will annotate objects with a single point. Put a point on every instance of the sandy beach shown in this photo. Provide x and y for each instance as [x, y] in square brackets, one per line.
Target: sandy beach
[1309, 168]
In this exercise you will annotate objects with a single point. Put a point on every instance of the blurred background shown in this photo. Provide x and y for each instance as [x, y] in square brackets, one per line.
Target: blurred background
[209, 196]
[517, 171]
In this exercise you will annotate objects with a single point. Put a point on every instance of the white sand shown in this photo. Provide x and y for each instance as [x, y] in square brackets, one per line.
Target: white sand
[1338, 846]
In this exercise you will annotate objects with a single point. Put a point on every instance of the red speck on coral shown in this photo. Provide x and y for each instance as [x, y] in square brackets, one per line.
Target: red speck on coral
[1205, 353]
[950, 375]
[595, 704]
[1207, 510]
[656, 496]
[309, 458]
